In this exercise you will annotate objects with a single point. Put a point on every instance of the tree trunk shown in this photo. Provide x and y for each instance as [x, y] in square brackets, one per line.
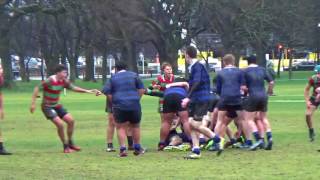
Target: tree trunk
[73, 69]
[290, 67]
[89, 70]
[6, 62]
[23, 73]
[129, 56]
[104, 67]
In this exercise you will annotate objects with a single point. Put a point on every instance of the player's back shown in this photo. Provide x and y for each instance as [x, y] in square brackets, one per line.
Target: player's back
[255, 77]
[229, 82]
[124, 91]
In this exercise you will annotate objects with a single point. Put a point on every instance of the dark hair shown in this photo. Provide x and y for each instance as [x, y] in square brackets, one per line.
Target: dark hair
[59, 68]
[191, 51]
[252, 59]
[120, 65]
[180, 79]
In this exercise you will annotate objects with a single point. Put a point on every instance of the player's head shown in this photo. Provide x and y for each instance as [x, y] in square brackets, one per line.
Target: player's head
[252, 59]
[61, 71]
[191, 53]
[166, 68]
[120, 65]
[228, 59]
[317, 69]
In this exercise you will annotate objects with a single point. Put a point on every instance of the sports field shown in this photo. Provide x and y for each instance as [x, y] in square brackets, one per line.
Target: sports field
[38, 151]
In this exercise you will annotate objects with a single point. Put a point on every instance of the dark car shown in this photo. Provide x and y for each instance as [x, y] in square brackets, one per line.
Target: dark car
[304, 66]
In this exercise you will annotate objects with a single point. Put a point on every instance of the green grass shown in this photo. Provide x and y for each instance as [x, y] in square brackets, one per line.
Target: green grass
[38, 152]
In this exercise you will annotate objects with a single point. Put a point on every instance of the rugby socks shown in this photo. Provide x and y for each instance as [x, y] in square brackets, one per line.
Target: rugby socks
[196, 150]
[202, 140]
[137, 147]
[269, 135]
[256, 135]
[216, 139]
[122, 149]
[70, 142]
[109, 145]
[65, 146]
[1, 146]
[311, 131]
[130, 141]
[248, 142]
[233, 140]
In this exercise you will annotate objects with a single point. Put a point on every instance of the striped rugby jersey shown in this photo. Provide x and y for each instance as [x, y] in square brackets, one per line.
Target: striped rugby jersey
[52, 89]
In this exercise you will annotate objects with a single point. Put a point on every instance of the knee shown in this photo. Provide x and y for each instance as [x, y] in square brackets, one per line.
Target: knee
[59, 126]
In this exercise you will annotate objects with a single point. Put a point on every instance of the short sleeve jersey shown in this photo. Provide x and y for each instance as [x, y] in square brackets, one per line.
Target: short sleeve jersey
[52, 89]
[123, 87]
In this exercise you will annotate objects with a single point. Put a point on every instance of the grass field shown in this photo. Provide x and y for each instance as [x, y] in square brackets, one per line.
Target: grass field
[38, 152]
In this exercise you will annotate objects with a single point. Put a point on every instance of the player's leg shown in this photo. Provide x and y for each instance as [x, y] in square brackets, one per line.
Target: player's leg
[70, 129]
[110, 132]
[129, 138]
[3, 151]
[309, 113]
[165, 129]
[135, 118]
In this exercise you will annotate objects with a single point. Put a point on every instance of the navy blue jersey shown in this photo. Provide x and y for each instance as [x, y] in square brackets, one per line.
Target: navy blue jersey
[254, 78]
[228, 83]
[199, 74]
[176, 90]
[123, 87]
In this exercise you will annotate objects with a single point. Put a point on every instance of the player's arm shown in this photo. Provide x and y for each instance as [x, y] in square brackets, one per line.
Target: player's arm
[306, 93]
[270, 87]
[34, 98]
[139, 86]
[81, 90]
[182, 84]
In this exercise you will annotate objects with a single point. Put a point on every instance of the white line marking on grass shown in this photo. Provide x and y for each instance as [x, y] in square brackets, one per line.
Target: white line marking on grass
[285, 101]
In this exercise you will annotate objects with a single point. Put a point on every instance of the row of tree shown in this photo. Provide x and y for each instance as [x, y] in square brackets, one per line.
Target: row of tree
[61, 30]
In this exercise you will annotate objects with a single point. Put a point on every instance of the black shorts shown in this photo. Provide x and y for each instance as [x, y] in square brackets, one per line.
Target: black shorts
[122, 116]
[232, 114]
[52, 112]
[172, 103]
[313, 101]
[253, 104]
[229, 107]
[108, 107]
[198, 110]
[212, 104]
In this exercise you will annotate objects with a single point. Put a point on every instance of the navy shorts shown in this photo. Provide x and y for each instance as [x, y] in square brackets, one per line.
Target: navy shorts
[52, 112]
[172, 103]
[198, 110]
[229, 107]
[253, 104]
[122, 116]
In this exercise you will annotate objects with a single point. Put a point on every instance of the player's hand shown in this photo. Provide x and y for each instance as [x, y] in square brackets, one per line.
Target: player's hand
[92, 91]
[98, 93]
[32, 108]
[168, 86]
[1, 114]
[156, 86]
[185, 102]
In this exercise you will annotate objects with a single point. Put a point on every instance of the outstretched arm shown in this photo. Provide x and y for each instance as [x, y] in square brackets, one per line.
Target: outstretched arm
[34, 97]
[81, 90]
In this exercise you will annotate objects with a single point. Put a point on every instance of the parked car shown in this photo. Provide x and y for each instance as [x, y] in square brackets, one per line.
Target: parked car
[304, 66]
